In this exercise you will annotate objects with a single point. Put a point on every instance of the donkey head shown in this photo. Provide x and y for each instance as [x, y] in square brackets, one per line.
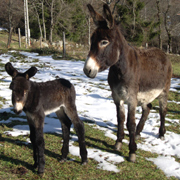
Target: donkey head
[104, 51]
[20, 85]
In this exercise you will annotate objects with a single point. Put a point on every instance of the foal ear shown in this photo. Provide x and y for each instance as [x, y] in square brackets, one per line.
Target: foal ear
[30, 72]
[108, 16]
[97, 18]
[11, 70]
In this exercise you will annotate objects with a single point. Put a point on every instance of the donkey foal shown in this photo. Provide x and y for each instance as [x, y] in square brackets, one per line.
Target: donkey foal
[40, 99]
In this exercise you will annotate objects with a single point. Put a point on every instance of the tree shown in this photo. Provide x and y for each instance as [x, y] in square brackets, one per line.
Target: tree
[58, 10]
[159, 22]
[167, 24]
[38, 18]
[11, 13]
[130, 20]
[78, 25]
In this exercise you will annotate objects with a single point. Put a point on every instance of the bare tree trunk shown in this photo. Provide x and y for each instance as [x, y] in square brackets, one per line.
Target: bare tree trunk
[167, 26]
[10, 24]
[134, 18]
[64, 45]
[44, 26]
[117, 1]
[159, 20]
[39, 23]
[52, 22]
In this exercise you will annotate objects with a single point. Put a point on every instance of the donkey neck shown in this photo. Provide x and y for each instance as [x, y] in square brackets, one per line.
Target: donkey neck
[124, 58]
[33, 97]
[127, 61]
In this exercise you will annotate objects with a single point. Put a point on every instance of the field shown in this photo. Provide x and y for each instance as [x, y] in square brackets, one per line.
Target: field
[16, 151]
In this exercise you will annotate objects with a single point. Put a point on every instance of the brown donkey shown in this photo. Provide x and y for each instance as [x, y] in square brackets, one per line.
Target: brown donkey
[136, 77]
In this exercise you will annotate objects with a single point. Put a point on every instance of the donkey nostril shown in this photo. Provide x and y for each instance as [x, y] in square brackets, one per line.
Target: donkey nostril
[89, 71]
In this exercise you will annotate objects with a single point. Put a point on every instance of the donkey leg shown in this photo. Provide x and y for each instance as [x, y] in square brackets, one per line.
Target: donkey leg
[131, 126]
[120, 119]
[79, 128]
[66, 124]
[145, 113]
[162, 111]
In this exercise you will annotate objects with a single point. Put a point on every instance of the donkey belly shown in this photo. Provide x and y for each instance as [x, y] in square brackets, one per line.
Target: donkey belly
[52, 109]
[148, 96]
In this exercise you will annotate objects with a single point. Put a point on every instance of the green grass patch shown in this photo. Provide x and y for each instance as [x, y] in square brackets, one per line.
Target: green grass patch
[175, 60]
[16, 159]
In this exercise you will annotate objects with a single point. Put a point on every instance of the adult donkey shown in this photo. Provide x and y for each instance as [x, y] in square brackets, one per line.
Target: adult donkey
[136, 77]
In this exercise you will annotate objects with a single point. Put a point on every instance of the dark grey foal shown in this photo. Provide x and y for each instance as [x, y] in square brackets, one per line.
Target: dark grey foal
[39, 99]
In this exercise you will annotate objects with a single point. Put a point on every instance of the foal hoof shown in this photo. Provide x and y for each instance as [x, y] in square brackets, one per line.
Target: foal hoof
[162, 137]
[118, 145]
[137, 137]
[40, 174]
[132, 157]
[35, 165]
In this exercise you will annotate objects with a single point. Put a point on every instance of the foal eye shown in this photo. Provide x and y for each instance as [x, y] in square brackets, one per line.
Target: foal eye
[25, 92]
[104, 43]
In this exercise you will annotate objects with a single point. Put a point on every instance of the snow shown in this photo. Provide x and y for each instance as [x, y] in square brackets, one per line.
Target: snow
[3, 29]
[94, 104]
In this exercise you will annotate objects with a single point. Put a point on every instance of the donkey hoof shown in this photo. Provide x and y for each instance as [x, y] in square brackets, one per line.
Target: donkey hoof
[63, 160]
[84, 163]
[132, 157]
[162, 137]
[118, 145]
[137, 137]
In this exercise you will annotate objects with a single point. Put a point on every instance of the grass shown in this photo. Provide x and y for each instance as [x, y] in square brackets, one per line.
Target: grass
[72, 52]
[175, 60]
[16, 157]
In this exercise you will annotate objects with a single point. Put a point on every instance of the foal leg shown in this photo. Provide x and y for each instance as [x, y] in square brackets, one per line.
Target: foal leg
[66, 124]
[40, 148]
[131, 125]
[32, 138]
[36, 136]
[79, 128]
[162, 111]
[145, 113]
[120, 120]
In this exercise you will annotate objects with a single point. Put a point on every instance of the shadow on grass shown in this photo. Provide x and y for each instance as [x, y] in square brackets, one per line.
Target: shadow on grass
[23, 163]
[168, 110]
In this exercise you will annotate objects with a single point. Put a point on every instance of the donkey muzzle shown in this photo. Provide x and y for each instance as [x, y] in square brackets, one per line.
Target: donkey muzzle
[91, 67]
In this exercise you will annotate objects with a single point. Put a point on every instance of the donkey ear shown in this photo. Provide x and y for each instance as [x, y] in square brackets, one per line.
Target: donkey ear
[30, 72]
[108, 16]
[11, 70]
[97, 18]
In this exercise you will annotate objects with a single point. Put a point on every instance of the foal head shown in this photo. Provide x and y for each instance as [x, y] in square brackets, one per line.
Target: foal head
[104, 51]
[20, 86]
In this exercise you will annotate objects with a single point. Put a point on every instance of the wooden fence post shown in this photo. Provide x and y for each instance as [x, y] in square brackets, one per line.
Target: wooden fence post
[64, 46]
[19, 33]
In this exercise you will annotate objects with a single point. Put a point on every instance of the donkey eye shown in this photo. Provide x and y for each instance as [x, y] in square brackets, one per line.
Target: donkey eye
[104, 43]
